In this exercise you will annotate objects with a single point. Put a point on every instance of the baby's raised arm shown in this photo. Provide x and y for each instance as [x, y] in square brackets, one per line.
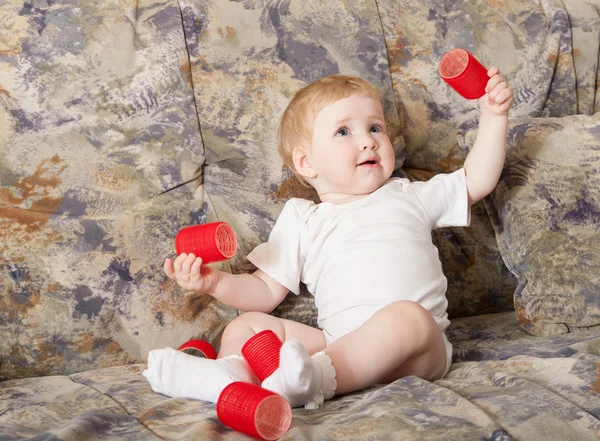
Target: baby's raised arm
[248, 292]
[484, 163]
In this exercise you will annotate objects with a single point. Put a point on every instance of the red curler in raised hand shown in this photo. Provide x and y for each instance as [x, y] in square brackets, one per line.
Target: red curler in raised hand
[211, 242]
[255, 411]
[464, 73]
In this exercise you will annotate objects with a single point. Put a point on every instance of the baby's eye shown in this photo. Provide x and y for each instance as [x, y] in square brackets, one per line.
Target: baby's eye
[375, 129]
[342, 132]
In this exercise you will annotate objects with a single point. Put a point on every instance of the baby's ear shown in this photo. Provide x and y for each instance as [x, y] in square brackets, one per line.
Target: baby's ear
[302, 163]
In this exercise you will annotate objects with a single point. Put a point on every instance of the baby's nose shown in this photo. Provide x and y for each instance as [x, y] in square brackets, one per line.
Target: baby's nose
[368, 143]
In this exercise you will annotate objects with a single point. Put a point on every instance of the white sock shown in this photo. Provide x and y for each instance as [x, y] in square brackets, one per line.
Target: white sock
[177, 374]
[301, 379]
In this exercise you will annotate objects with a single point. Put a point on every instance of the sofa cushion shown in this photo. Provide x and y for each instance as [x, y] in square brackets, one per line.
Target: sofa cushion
[547, 51]
[546, 215]
[584, 18]
[490, 337]
[100, 166]
[432, 114]
[547, 392]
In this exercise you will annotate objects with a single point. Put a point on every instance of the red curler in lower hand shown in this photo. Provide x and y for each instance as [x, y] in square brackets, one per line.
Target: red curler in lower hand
[461, 70]
[212, 242]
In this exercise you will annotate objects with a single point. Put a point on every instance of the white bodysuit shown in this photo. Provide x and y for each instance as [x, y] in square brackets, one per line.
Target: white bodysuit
[358, 257]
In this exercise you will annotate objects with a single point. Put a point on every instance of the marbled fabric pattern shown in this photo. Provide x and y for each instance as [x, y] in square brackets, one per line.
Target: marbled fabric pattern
[98, 132]
[541, 394]
[546, 214]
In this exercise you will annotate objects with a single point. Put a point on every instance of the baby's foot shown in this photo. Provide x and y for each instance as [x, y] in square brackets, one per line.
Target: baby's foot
[154, 372]
[177, 374]
[302, 380]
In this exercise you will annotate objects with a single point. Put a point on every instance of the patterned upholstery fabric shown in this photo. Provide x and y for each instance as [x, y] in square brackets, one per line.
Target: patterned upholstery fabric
[100, 166]
[546, 214]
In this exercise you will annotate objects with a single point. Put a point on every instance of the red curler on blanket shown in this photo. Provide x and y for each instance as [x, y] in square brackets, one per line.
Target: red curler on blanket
[204, 347]
[255, 411]
[463, 73]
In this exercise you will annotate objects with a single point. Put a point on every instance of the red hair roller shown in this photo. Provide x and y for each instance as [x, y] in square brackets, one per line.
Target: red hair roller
[201, 346]
[262, 353]
[464, 73]
[212, 242]
[255, 411]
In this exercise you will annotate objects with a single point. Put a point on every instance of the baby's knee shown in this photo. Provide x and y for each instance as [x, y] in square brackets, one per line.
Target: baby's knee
[405, 313]
[250, 323]
[247, 320]
[410, 310]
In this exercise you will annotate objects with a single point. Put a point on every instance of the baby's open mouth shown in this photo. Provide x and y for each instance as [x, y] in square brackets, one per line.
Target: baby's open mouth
[370, 162]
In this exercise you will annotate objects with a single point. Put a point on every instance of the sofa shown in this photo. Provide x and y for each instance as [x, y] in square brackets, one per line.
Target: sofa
[122, 122]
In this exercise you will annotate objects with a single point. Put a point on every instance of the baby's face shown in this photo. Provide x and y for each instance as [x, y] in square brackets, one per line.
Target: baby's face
[350, 148]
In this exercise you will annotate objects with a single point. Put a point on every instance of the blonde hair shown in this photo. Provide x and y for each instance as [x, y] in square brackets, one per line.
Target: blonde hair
[295, 128]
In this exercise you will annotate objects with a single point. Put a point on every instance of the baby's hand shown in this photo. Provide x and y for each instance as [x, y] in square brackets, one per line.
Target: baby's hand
[189, 273]
[499, 95]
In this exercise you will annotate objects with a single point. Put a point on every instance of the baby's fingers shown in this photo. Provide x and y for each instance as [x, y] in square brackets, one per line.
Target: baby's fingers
[186, 264]
[179, 262]
[504, 95]
[493, 83]
[195, 273]
[500, 93]
[493, 71]
[168, 268]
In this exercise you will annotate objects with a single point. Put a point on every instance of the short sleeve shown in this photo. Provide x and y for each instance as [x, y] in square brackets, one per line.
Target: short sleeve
[281, 256]
[444, 197]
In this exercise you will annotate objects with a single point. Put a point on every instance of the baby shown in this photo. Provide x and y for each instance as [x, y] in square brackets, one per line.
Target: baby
[365, 253]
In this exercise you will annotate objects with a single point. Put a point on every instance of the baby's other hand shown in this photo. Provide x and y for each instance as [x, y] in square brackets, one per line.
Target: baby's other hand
[189, 273]
[499, 95]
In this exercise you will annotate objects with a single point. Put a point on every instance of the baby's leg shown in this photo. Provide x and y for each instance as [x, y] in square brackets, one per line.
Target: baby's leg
[243, 327]
[400, 339]
[177, 374]
[300, 378]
